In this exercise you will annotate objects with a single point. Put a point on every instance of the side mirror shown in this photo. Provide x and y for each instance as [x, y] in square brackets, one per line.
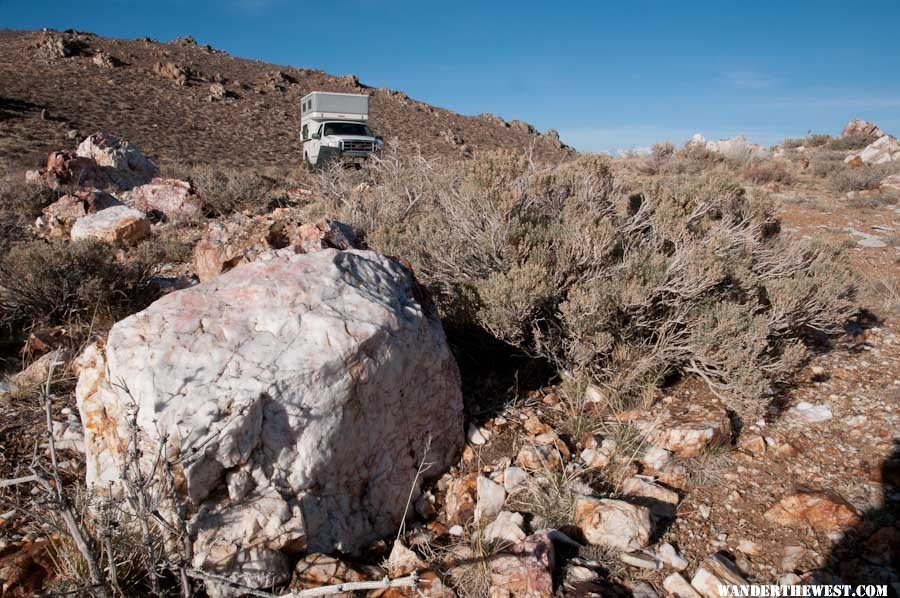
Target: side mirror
[315, 136]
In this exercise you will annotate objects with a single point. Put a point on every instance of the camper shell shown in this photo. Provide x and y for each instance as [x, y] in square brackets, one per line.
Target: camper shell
[335, 125]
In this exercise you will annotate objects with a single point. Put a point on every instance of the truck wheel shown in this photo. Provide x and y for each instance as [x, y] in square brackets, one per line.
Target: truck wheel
[309, 165]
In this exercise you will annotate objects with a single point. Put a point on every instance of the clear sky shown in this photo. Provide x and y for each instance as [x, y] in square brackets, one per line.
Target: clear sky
[607, 75]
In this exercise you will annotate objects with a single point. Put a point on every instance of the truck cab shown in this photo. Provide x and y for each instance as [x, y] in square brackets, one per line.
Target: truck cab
[334, 126]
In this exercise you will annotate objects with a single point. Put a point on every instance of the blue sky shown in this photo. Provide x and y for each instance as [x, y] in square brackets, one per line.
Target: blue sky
[607, 75]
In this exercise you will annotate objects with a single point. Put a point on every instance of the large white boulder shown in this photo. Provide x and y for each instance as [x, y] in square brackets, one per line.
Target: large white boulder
[302, 390]
[882, 150]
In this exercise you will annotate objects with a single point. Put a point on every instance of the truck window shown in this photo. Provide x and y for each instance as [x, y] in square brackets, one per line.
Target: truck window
[347, 129]
[305, 132]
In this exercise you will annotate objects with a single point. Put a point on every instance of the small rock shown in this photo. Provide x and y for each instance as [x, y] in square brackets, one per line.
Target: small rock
[792, 557]
[459, 504]
[807, 413]
[491, 497]
[524, 570]
[678, 586]
[642, 589]
[514, 479]
[507, 528]
[749, 548]
[661, 501]
[687, 429]
[823, 511]
[613, 523]
[118, 225]
[640, 560]
[670, 556]
[403, 561]
[716, 569]
[476, 436]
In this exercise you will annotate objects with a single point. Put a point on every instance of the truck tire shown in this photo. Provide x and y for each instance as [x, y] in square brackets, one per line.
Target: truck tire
[309, 165]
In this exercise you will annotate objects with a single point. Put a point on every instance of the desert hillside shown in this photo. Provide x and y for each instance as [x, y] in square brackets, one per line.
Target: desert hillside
[203, 105]
[491, 368]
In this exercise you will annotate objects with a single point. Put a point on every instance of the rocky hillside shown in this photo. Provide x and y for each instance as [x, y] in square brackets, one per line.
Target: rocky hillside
[181, 101]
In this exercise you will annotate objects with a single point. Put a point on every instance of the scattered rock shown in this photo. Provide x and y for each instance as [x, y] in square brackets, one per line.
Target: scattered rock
[68, 435]
[169, 199]
[525, 570]
[118, 225]
[613, 523]
[105, 61]
[36, 373]
[792, 557]
[716, 569]
[890, 183]
[319, 374]
[58, 218]
[173, 72]
[823, 511]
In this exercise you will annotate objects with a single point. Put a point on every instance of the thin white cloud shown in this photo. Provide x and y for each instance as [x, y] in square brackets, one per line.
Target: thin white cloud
[750, 80]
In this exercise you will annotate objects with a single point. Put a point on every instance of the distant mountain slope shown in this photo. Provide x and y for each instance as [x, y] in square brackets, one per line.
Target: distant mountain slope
[55, 82]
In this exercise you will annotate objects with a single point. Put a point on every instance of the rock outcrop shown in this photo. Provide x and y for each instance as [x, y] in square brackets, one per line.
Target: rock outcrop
[302, 390]
[882, 150]
[860, 127]
[123, 163]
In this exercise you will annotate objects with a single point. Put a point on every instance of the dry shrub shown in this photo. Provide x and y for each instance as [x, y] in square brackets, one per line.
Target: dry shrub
[824, 162]
[693, 158]
[850, 142]
[660, 155]
[817, 139]
[847, 179]
[687, 275]
[20, 204]
[768, 171]
[225, 190]
[69, 282]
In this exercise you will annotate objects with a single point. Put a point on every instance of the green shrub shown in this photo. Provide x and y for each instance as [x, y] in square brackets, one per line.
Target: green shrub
[69, 282]
[686, 275]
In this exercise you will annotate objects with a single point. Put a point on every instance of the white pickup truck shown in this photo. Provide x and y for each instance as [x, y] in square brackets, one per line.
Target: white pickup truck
[335, 126]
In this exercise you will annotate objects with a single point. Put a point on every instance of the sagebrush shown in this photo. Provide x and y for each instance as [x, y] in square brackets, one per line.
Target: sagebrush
[626, 282]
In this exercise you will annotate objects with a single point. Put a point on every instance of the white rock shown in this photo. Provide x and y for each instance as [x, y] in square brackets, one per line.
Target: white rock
[613, 523]
[319, 375]
[116, 225]
[661, 501]
[808, 413]
[68, 435]
[656, 458]
[476, 436]
[514, 479]
[491, 497]
[507, 527]
[670, 556]
[122, 162]
[640, 560]
[678, 586]
[882, 150]
[456, 531]
[716, 570]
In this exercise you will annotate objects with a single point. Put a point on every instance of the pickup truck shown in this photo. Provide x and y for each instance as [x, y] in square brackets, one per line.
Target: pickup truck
[334, 126]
